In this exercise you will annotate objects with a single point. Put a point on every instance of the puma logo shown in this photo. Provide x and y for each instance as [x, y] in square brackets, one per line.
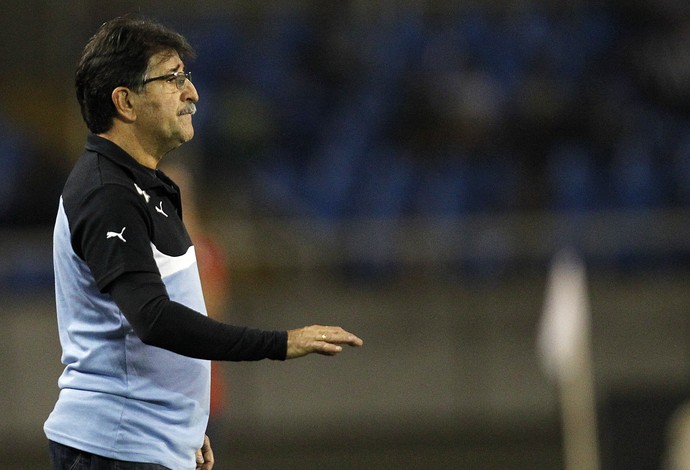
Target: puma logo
[159, 208]
[118, 235]
[142, 193]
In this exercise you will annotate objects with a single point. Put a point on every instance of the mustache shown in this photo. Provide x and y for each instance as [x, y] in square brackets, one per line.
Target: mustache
[190, 109]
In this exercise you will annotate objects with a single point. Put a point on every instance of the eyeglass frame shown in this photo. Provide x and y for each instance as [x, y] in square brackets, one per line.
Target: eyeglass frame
[180, 84]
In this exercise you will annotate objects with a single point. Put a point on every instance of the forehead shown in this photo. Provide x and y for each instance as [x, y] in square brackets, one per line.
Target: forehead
[165, 61]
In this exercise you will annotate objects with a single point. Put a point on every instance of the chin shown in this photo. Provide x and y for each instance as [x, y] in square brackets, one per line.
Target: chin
[189, 134]
[186, 136]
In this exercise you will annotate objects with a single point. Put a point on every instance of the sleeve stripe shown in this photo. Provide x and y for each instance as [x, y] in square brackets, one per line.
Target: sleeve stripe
[169, 265]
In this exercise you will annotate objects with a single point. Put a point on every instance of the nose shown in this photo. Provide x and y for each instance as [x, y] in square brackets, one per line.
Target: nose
[189, 92]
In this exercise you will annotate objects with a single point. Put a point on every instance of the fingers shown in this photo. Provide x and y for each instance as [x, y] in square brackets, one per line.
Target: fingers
[204, 456]
[336, 335]
[199, 459]
[326, 340]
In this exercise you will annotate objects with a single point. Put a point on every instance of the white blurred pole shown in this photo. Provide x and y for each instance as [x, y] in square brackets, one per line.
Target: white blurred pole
[565, 348]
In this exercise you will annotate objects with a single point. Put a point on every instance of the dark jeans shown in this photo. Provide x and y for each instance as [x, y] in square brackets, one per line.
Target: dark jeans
[68, 458]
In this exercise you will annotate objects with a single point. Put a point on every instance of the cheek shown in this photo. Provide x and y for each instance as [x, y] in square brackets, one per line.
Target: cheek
[150, 114]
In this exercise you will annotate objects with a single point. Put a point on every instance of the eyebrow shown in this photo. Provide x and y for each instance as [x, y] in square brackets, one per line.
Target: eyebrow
[172, 69]
[169, 71]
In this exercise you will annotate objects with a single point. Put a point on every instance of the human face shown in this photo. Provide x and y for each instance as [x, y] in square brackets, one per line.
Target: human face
[164, 114]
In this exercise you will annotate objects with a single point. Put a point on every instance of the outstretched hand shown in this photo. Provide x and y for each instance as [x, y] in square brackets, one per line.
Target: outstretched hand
[326, 340]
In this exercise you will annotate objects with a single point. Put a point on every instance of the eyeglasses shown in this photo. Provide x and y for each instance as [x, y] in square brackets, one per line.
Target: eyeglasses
[180, 78]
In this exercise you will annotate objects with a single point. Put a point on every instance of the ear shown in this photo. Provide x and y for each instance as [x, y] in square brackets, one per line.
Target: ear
[123, 100]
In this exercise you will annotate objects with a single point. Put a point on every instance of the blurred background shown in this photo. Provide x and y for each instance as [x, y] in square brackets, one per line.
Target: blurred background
[406, 169]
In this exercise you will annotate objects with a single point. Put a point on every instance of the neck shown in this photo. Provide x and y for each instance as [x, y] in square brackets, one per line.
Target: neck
[135, 147]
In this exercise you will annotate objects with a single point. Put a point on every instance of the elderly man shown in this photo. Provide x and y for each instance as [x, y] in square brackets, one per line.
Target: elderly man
[136, 340]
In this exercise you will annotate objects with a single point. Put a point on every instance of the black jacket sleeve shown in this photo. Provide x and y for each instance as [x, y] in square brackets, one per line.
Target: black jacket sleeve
[159, 321]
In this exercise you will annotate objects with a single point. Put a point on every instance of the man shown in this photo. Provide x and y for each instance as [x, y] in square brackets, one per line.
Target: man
[136, 340]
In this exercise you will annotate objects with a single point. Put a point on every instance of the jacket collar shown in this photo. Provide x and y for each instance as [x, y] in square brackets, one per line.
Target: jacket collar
[144, 177]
